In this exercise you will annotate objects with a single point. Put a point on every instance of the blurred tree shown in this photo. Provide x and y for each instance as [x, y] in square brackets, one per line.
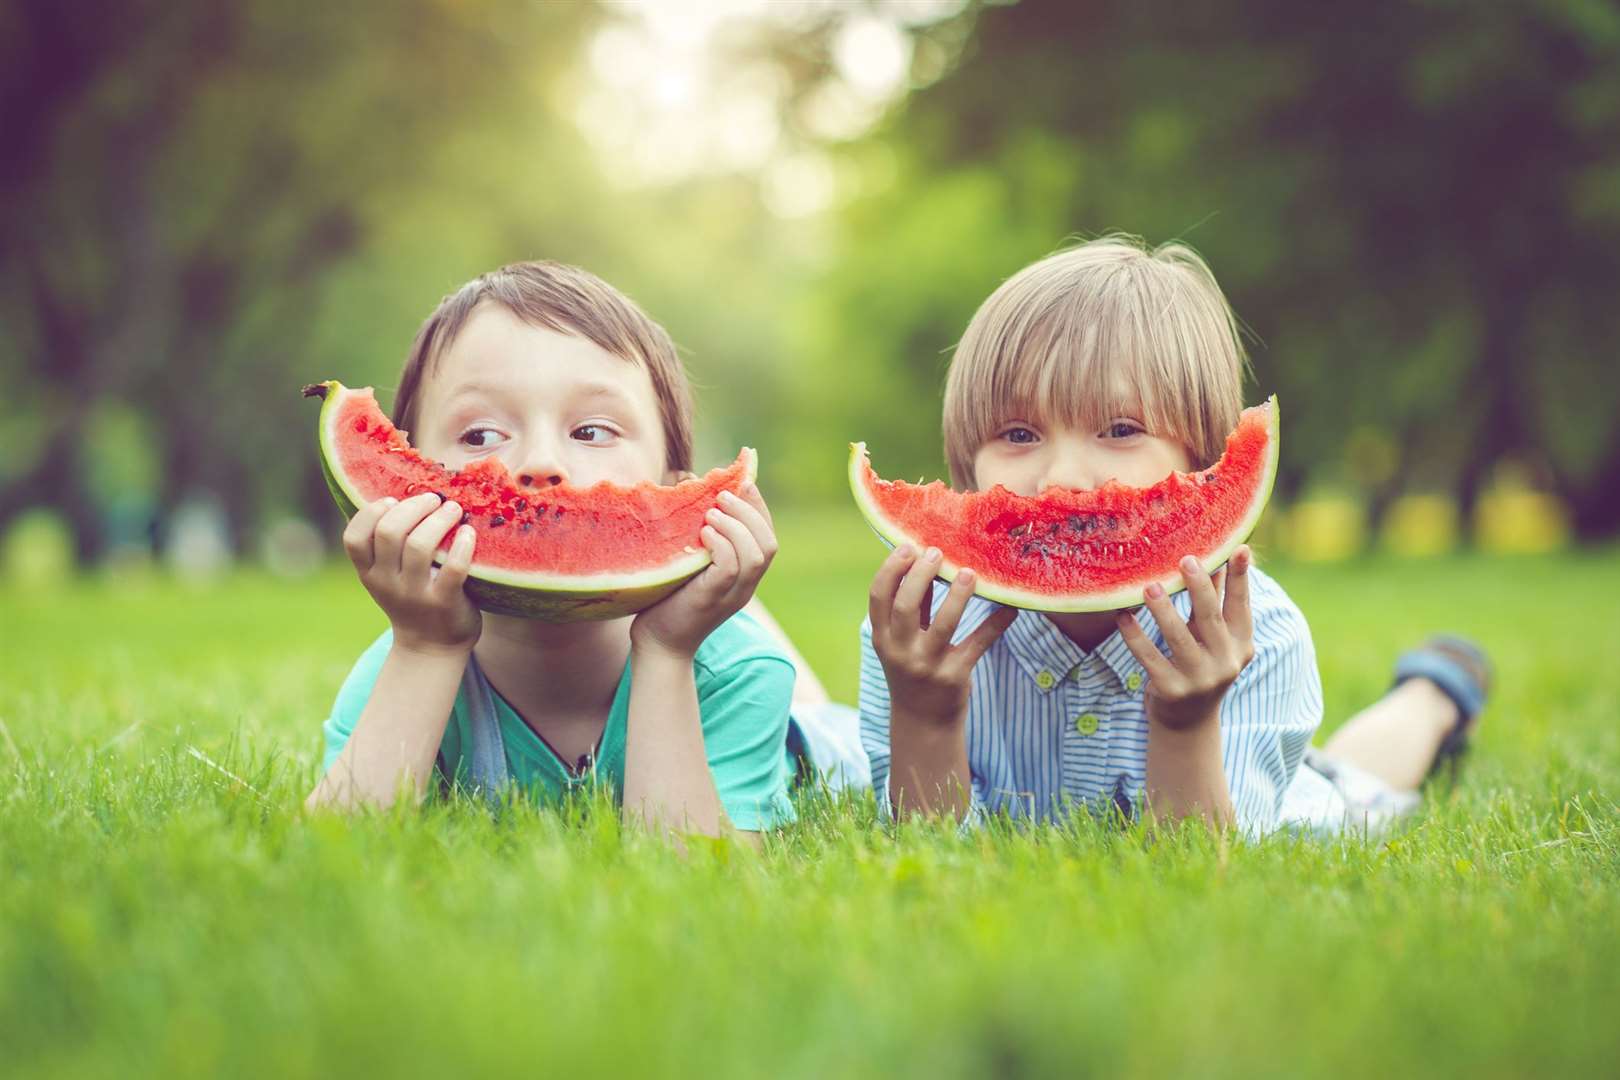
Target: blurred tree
[1415, 206]
[179, 182]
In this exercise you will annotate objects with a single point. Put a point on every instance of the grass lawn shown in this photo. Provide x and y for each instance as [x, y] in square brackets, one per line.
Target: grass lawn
[166, 908]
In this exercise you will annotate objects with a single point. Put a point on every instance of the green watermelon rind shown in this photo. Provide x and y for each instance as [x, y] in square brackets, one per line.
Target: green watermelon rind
[1125, 596]
[545, 597]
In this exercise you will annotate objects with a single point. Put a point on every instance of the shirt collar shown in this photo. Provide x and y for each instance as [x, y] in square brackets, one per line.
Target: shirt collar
[1039, 647]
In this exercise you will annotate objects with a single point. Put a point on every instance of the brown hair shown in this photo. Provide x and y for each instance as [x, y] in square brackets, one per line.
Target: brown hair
[568, 300]
[1070, 336]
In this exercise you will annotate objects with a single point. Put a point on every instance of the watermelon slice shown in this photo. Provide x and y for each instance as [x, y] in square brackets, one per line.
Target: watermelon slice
[1069, 550]
[561, 554]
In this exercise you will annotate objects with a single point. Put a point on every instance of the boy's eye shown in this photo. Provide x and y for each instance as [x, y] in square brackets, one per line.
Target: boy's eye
[1123, 429]
[481, 437]
[593, 433]
[1019, 436]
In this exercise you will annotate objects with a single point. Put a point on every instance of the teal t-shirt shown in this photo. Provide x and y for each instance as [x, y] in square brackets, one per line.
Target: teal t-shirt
[744, 687]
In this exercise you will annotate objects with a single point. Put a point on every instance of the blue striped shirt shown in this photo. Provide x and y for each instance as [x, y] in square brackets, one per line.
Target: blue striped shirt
[1051, 727]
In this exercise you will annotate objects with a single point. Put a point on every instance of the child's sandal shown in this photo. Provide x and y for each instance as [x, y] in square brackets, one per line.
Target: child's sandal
[1460, 670]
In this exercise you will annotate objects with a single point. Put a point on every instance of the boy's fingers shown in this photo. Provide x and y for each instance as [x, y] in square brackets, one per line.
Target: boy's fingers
[1236, 609]
[1206, 622]
[416, 562]
[453, 570]
[749, 557]
[974, 646]
[1147, 654]
[884, 584]
[911, 600]
[1183, 646]
[758, 523]
[357, 535]
[396, 525]
[722, 554]
[950, 610]
[754, 498]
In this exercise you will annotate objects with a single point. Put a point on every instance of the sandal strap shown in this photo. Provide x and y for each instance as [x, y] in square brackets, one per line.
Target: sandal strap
[1455, 680]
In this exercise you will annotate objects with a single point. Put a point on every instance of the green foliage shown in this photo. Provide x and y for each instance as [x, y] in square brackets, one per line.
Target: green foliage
[208, 205]
[1410, 205]
[165, 908]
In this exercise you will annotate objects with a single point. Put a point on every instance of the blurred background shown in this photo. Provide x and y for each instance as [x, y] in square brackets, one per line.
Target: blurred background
[1414, 207]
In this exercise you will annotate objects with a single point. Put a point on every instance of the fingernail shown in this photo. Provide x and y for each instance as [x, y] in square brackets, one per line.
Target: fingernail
[726, 496]
[714, 514]
[905, 551]
[1190, 565]
[965, 577]
[1154, 591]
[390, 501]
[932, 555]
[451, 505]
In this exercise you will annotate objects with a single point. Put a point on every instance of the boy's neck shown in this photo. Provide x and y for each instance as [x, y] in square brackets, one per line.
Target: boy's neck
[1087, 629]
[577, 665]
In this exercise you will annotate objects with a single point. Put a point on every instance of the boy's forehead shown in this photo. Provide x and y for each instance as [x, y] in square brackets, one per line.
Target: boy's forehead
[498, 352]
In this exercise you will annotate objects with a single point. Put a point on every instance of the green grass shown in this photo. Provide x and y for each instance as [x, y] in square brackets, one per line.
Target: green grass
[165, 907]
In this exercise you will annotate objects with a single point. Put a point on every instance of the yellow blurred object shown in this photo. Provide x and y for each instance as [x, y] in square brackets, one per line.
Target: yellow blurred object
[37, 551]
[1325, 527]
[1421, 525]
[1520, 521]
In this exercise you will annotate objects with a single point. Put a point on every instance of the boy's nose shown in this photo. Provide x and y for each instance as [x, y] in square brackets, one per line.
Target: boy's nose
[1072, 470]
[540, 466]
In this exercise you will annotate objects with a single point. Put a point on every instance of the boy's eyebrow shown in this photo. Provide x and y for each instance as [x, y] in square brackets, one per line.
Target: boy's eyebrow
[585, 390]
[600, 390]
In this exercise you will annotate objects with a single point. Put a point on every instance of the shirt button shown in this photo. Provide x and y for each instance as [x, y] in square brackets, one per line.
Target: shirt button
[1086, 723]
[1133, 681]
[1045, 680]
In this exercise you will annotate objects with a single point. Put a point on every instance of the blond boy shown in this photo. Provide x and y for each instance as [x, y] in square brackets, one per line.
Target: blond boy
[1110, 361]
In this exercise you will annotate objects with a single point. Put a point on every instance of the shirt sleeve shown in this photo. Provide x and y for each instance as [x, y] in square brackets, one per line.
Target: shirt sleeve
[1271, 712]
[873, 702]
[352, 697]
[744, 708]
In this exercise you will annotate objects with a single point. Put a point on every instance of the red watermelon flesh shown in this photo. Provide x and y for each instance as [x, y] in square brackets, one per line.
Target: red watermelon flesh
[559, 553]
[1072, 550]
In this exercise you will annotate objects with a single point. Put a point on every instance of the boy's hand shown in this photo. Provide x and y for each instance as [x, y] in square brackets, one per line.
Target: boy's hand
[742, 543]
[928, 676]
[393, 544]
[1207, 652]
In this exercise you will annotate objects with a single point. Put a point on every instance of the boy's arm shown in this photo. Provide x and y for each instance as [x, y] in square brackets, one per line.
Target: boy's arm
[398, 734]
[1248, 750]
[927, 679]
[393, 545]
[1186, 775]
[667, 780]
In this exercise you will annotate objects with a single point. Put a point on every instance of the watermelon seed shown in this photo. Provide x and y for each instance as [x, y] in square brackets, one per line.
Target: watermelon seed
[466, 519]
[497, 521]
[1019, 530]
[520, 505]
[525, 526]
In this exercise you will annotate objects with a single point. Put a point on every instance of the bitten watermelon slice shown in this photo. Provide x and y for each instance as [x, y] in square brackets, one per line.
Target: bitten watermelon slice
[561, 554]
[1070, 550]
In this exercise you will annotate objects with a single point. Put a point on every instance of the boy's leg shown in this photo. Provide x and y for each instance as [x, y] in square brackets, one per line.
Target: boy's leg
[1397, 737]
[1439, 690]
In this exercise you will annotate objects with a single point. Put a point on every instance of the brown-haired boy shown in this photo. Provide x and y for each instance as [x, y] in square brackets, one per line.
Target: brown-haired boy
[563, 378]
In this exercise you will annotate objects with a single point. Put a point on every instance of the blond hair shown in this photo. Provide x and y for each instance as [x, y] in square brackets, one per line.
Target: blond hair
[567, 300]
[1082, 333]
